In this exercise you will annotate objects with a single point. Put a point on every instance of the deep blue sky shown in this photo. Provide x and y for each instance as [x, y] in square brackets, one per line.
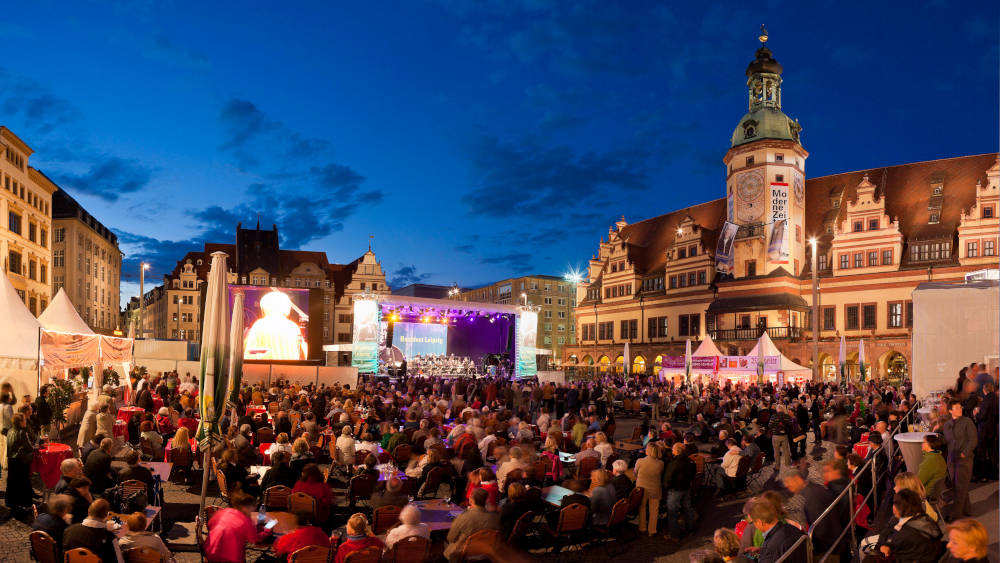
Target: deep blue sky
[476, 140]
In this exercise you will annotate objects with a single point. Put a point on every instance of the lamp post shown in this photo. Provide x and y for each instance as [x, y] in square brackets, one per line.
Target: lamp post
[142, 298]
[817, 375]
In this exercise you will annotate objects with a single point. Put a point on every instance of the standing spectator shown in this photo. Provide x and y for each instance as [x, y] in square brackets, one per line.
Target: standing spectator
[780, 426]
[20, 452]
[817, 499]
[105, 423]
[43, 412]
[6, 422]
[779, 537]
[360, 536]
[94, 535]
[648, 471]
[472, 520]
[960, 434]
[88, 426]
[231, 529]
[678, 477]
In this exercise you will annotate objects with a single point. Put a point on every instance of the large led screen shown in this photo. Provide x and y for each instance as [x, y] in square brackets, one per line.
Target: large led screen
[420, 339]
[276, 322]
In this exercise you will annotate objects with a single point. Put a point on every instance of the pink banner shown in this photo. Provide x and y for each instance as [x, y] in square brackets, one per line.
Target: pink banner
[704, 363]
[116, 350]
[62, 350]
[747, 363]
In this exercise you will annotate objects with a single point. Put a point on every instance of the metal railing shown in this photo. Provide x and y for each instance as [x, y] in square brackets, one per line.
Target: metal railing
[753, 333]
[750, 231]
[850, 492]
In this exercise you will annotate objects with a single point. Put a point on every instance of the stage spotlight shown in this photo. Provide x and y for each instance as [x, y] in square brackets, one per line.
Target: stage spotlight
[491, 320]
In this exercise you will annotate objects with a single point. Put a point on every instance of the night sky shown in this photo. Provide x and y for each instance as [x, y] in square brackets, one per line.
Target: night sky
[475, 140]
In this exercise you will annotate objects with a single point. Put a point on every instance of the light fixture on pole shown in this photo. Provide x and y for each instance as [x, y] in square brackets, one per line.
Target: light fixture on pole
[143, 266]
[817, 375]
[524, 298]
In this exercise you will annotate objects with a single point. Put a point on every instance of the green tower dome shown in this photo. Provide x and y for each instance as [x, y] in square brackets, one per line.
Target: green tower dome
[765, 120]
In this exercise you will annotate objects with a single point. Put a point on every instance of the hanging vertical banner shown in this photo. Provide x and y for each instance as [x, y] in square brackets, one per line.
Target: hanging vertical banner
[777, 248]
[366, 333]
[724, 248]
[527, 333]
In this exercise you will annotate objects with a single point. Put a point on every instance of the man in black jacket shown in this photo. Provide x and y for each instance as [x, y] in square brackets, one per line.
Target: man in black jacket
[622, 484]
[43, 412]
[93, 534]
[280, 473]
[816, 500]
[71, 468]
[962, 438]
[136, 472]
[90, 446]
[98, 468]
[80, 497]
[779, 537]
[678, 476]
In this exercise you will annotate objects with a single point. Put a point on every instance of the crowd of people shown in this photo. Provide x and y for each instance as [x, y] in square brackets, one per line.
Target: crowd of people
[490, 446]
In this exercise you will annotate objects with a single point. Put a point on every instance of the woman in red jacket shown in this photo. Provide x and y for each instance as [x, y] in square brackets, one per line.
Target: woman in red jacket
[311, 482]
[359, 536]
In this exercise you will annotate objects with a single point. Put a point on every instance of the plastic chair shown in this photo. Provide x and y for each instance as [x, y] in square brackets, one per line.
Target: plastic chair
[43, 547]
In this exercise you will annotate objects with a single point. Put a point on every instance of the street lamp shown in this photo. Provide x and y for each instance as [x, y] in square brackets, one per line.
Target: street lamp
[524, 298]
[142, 301]
[817, 375]
[454, 291]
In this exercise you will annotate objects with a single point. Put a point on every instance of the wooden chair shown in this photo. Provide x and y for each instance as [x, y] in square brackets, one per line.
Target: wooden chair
[142, 555]
[81, 555]
[147, 448]
[133, 486]
[433, 482]
[411, 549]
[756, 469]
[572, 521]
[402, 454]
[203, 519]
[738, 483]
[310, 554]
[384, 518]
[634, 500]
[539, 469]
[367, 555]
[265, 436]
[276, 497]
[611, 530]
[521, 527]
[636, 434]
[481, 544]
[43, 547]
[384, 457]
[361, 487]
[183, 460]
[302, 502]
[586, 465]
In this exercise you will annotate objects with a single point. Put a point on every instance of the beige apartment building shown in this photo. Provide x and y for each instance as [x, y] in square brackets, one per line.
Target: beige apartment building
[26, 217]
[86, 262]
[556, 301]
[878, 234]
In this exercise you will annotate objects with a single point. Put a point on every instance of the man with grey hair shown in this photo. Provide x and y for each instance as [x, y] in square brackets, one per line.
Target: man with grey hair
[392, 495]
[410, 525]
[516, 461]
[71, 468]
[623, 485]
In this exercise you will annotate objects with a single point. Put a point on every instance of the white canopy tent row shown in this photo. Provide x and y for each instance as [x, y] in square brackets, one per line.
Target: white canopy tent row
[765, 347]
[58, 340]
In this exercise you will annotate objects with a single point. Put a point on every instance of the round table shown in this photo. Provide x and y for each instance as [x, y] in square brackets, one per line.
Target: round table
[120, 430]
[47, 460]
[125, 413]
[910, 446]
[266, 459]
[925, 414]
[255, 409]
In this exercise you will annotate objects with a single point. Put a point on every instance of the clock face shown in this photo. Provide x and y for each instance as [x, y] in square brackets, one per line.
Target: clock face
[799, 188]
[749, 212]
[750, 186]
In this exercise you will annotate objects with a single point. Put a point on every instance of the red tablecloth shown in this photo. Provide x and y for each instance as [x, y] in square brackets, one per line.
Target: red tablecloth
[46, 462]
[125, 413]
[190, 423]
[170, 447]
[861, 450]
[254, 409]
[120, 430]
[864, 436]
[157, 402]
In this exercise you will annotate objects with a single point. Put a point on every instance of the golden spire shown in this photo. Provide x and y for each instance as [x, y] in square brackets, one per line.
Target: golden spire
[763, 35]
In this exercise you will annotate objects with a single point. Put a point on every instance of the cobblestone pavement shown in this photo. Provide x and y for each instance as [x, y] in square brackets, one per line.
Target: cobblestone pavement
[181, 504]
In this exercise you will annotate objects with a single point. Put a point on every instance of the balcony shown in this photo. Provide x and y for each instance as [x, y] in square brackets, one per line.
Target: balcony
[753, 333]
[750, 231]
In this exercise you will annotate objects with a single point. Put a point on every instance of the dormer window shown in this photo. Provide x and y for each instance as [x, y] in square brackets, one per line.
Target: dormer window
[749, 161]
[836, 204]
[873, 224]
[857, 227]
[938, 190]
[988, 212]
[681, 253]
[779, 177]
[935, 219]
[778, 157]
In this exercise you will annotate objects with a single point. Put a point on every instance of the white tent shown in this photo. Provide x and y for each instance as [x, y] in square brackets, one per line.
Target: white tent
[61, 316]
[790, 368]
[707, 348]
[18, 341]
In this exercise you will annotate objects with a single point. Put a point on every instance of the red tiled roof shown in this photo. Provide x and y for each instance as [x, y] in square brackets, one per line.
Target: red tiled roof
[648, 240]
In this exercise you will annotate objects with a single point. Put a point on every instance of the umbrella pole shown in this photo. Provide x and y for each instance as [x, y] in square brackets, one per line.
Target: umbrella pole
[204, 485]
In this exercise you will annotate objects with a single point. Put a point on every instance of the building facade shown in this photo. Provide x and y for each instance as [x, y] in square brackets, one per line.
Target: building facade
[556, 300]
[877, 234]
[86, 262]
[174, 309]
[26, 215]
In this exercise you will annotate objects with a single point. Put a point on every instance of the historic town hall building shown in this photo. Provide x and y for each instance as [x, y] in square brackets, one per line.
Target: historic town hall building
[878, 233]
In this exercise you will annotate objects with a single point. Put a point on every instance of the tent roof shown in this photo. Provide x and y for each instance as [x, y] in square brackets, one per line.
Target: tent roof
[19, 330]
[61, 316]
[786, 365]
[707, 348]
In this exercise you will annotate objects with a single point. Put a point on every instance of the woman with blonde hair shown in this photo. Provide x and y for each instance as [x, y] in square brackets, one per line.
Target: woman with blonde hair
[967, 541]
[912, 482]
[301, 455]
[280, 445]
[648, 473]
[550, 451]
[603, 447]
[359, 536]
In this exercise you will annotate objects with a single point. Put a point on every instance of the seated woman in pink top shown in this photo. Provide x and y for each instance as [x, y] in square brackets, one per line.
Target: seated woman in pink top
[359, 536]
[311, 483]
[231, 529]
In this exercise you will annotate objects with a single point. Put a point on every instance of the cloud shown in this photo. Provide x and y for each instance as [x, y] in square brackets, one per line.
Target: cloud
[516, 261]
[405, 275]
[163, 49]
[109, 178]
[531, 180]
[249, 132]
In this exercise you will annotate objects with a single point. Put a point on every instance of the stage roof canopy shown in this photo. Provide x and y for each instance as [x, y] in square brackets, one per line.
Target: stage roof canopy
[424, 305]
